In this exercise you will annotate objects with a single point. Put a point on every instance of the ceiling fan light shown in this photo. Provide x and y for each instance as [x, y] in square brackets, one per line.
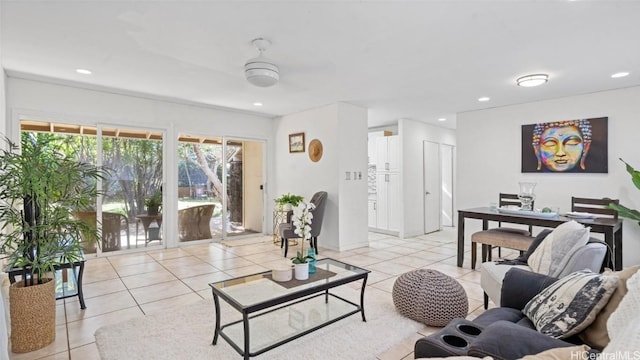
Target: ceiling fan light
[532, 80]
[261, 72]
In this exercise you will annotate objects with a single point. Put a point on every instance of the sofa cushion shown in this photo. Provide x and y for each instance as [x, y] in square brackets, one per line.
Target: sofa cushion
[496, 314]
[507, 341]
[550, 257]
[569, 305]
[595, 335]
[491, 278]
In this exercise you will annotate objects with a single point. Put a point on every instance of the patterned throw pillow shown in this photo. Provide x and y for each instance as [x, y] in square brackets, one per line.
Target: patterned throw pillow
[569, 305]
[551, 256]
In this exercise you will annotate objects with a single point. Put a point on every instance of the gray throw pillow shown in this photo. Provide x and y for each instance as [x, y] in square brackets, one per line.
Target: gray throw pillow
[552, 255]
[569, 305]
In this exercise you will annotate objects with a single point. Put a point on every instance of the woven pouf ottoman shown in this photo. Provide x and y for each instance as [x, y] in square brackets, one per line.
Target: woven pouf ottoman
[430, 297]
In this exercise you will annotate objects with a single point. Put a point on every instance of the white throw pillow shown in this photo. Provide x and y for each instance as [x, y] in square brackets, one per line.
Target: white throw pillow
[570, 304]
[624, 324]
[551, 256]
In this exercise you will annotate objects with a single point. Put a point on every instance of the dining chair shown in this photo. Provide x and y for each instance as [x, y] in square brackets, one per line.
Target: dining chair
[287, 230]
[501, 236]
[594, 206]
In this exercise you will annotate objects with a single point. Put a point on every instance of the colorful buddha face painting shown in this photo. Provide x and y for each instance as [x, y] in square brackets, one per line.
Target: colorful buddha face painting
[563, 146]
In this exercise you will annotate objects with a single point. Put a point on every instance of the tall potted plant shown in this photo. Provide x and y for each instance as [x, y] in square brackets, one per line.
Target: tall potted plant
[39, 188]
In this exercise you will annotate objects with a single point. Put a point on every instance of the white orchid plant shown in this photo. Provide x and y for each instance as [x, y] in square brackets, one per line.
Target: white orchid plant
[302, 219]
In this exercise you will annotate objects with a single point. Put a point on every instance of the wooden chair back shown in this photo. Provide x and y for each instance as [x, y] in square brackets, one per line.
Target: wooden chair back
[594, 206]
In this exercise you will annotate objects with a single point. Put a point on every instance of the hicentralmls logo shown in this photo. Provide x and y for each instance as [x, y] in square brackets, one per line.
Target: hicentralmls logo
[616, 355]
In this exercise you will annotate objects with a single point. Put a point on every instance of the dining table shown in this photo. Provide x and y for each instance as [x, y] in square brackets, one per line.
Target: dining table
[610, 227]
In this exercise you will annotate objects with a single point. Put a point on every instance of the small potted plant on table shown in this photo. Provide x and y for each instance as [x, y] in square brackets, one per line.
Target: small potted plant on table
[288, 201]
[302, 218]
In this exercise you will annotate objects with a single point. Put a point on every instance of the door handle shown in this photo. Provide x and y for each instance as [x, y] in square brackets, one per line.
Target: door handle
[427, 193]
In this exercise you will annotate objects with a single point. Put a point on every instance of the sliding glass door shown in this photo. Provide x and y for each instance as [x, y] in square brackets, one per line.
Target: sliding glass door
[219, 184]
[134, 161]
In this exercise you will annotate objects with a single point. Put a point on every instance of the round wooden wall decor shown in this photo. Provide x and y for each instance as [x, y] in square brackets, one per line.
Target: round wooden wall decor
[315, 150]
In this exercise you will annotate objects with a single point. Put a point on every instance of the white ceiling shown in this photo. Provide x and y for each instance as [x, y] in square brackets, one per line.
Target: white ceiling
[421, 60]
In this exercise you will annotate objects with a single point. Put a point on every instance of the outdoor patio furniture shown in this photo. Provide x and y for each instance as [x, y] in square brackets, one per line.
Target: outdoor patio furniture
[194, 222]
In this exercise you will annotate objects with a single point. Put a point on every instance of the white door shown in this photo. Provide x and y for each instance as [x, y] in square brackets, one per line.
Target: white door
[432, 186]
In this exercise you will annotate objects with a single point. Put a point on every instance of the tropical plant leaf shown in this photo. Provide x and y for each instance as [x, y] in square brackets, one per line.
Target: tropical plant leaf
[635, 174]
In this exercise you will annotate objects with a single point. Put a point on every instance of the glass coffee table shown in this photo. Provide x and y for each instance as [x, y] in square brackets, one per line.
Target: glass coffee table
[274, 313]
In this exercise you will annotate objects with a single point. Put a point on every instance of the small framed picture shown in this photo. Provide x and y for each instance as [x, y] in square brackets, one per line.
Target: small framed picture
[296, 142]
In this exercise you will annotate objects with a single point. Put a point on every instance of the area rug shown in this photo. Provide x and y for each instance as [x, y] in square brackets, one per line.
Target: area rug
[186, 333]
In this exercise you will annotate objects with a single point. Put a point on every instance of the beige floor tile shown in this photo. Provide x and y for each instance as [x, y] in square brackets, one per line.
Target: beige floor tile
[192, 270]
[91, 276]
[451, 270]
[402, 250]
[137, 269]
[136, 281]
[166, 254]
[413, 261]
[81, 332]
[390, 268]
[361, 260]
[172, 302]
[381, 254]
[160, 291]
[386, 285]
[247, 270]
[232, 263]
[86, 352]
[264, 257]
[59, 356]
[100, 305]
[100, 288]
[130, 259]
[201, 282]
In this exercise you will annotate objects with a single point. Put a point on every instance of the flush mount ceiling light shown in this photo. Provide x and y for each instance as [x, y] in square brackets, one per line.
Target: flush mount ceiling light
[620, 74]
[83, 71]
[261, 71]
[532, 80]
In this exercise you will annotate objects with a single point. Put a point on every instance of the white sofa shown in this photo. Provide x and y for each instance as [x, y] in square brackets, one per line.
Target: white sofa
[589, 256]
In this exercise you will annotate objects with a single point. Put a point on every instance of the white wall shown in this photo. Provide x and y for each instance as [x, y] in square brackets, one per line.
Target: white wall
[40, 100]
[342, 130]
[412, 134]
[488, 156]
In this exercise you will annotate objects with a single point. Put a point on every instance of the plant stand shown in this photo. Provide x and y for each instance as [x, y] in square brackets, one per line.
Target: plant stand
[68, 280]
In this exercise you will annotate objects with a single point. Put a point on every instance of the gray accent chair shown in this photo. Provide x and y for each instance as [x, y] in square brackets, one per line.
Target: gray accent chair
[286, 230]
[590, 256]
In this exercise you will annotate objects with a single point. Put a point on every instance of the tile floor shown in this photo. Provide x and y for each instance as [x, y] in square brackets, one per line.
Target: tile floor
[120, 287]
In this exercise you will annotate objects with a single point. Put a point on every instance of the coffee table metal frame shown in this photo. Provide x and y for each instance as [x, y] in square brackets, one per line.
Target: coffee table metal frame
[304, 294]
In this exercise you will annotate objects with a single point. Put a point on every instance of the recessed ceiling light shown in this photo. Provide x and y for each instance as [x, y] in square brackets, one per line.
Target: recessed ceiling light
[83, 71]
[257, 104]
[620, 74]
[484, 98]
[532, 80]
[442, 119]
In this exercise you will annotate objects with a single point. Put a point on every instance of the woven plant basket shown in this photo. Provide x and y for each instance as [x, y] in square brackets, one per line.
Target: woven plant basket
[33, 316]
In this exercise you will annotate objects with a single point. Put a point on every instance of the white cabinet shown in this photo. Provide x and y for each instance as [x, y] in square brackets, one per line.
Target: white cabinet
[388, 203]
[388, 153]
[385, 193]
[373, 217]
